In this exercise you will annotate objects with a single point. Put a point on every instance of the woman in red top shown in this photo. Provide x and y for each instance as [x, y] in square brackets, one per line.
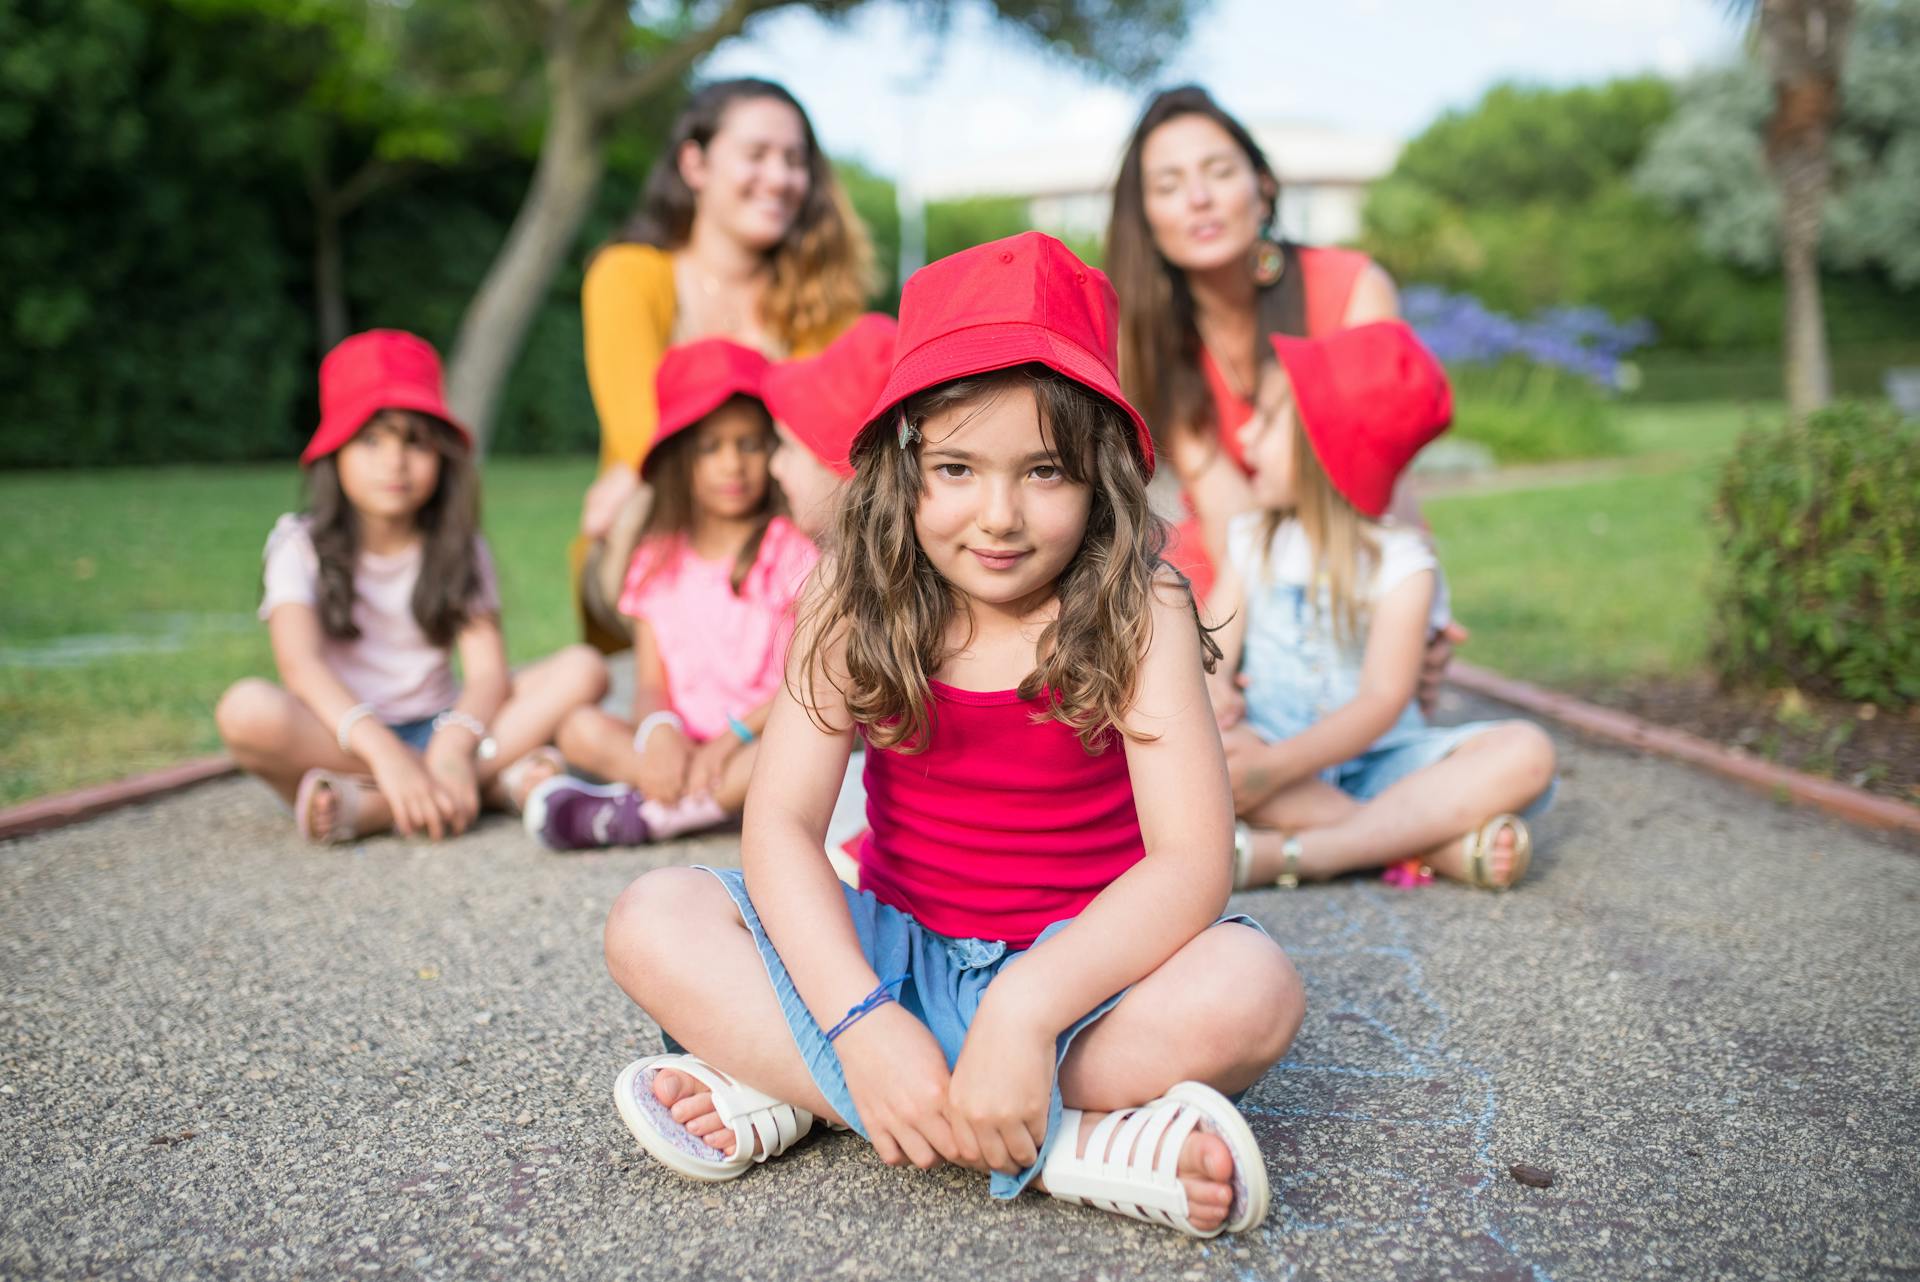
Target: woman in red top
[1203, 282]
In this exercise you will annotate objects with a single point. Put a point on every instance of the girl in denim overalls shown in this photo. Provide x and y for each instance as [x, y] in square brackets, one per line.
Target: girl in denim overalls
[1328, 608]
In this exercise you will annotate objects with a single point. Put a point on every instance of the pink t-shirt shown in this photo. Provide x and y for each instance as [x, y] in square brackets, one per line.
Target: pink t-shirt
[392, 665]
[724, 654]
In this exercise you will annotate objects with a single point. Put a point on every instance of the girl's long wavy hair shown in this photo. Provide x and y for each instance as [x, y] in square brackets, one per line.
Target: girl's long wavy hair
[673, 515]
[1343, 541]
[878, 595]
[822, 269]
[449, 525]
[1160, 345]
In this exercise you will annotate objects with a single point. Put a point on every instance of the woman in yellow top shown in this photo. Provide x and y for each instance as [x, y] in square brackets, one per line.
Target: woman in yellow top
[742, 232]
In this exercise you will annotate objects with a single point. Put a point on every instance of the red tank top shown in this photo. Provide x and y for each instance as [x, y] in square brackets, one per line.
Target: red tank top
[1328, 277]
[1002, 826]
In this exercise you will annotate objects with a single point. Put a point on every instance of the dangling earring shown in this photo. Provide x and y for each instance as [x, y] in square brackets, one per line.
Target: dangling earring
[1269, 263]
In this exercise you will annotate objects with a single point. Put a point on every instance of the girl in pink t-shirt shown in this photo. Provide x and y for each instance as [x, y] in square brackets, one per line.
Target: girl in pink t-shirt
[1035, 977]
[368, 594]
[711, 590]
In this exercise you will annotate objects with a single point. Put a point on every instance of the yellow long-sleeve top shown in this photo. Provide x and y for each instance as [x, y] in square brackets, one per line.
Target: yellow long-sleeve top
[626, 309]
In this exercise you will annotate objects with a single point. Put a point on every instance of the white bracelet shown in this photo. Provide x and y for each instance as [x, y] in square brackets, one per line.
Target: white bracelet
[347, 720]
[653, 721]
[483, 745]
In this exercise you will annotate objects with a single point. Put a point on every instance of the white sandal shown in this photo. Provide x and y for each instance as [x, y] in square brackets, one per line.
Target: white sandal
[763, 1127]
[1121, 1174]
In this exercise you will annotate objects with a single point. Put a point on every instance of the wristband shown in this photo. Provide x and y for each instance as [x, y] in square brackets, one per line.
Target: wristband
[739, 728]
[483, 746]
[347, 720]
[867, 1005]
[653, 721]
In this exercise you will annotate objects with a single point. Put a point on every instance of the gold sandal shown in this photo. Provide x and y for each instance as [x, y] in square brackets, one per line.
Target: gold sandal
[1479, 852]
[1243, 860]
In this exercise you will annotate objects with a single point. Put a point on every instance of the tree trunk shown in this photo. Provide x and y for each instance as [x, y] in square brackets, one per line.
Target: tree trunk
[329, 275]
[565, 180]
[1805, 44]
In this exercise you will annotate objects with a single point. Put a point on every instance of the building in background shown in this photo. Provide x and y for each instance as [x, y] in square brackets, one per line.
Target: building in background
[1324, 175]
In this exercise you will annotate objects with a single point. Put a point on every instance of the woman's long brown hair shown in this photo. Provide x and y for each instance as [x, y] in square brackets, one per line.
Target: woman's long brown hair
[877, 595]
[449, 525]
[822, 268]
[1160, 344]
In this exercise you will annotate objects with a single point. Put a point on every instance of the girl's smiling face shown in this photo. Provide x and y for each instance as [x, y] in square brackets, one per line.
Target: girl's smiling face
[1266, 439]
[752, 178]
[730, 448]
[997, 516]
[391, 467]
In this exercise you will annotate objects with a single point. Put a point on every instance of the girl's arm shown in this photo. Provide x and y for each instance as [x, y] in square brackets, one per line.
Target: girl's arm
[667, 750]
[484, 686]
[895, 1070]
[1003, 1080]
[1389, 675]
[419, 803]
[1227, 611]
[1218, 488]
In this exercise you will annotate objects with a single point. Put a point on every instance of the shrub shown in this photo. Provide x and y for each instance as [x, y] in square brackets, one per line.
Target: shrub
[1820, 577]
[1527, 413]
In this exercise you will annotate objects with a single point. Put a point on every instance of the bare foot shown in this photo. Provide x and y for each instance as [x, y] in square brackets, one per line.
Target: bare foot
[1450, 858]
[691, 1104]
[322, 806]
[517, 782]
[1205, 1170]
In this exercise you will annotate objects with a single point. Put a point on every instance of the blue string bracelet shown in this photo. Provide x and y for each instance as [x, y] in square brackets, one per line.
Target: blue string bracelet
[867, 1005]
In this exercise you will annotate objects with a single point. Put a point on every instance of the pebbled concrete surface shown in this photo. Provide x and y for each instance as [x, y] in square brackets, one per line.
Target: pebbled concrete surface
[224, 1054]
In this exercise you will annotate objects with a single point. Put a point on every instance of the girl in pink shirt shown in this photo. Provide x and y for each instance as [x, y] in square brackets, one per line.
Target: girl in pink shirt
[1036, 978]
[711, 590]
[368, 595]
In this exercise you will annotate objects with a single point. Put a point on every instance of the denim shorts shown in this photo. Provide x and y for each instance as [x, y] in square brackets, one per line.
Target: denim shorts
[1405, 749]
[946, 978]
[415, 734]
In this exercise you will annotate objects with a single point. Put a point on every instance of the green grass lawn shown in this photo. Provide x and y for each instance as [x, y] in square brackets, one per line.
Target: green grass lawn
[127, 596]
[127, 600]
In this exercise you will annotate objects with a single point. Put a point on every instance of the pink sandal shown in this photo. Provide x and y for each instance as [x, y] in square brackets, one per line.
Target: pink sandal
[347, 790]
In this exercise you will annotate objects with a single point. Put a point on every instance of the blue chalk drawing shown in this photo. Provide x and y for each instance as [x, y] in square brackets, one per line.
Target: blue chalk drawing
[1379, 1055]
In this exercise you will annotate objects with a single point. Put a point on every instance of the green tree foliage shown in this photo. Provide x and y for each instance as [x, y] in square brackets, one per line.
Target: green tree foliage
[1708, 162]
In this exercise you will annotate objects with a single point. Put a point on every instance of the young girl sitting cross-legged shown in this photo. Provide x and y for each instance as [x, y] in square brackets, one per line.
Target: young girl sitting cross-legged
[1037, 979]
[711, 590]
[1327, 611]
[368, 595]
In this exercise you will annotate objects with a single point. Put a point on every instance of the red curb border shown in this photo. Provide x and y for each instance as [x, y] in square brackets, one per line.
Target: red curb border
[66, 808]
[1849, 803]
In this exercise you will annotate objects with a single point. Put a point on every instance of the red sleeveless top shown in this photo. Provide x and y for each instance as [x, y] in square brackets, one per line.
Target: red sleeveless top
[1328, 277]
[1003, 826]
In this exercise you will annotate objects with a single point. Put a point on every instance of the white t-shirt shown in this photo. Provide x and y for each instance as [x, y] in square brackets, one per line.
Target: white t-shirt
[1403, 552]
[392, 666]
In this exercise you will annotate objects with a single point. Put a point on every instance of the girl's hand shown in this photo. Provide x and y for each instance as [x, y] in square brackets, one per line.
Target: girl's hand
[897, 1076]
[450, 761]
[1229, 705]
[663, 765]
[1433, 664]
[1249, 768]
[1001, 1088]
[419, 802]
[605, 498]
[709, 763]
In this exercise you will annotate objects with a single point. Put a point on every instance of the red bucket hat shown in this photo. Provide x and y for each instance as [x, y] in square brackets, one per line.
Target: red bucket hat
[1005, 303]
[695, 379]
[823, 399]
[382, 369]
[1369, 397]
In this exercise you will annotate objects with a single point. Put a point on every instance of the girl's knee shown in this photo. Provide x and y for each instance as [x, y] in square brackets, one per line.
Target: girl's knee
[251, 712]
[658, 922]
[1531, 751]
[585, 672]
[1247, 1017]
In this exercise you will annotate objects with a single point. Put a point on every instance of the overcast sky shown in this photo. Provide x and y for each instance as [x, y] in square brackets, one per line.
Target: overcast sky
[882, 91]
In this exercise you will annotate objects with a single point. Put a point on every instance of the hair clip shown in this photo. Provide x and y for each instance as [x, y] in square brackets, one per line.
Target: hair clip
[908, 432]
